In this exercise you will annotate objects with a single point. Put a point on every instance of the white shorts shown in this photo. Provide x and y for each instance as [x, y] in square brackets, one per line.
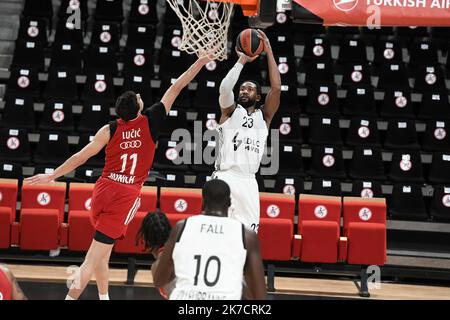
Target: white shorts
[244, 197]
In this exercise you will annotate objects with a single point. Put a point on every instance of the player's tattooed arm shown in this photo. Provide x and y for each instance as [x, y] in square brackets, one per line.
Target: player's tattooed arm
[272, 102]
[174, 90]
[100, 140]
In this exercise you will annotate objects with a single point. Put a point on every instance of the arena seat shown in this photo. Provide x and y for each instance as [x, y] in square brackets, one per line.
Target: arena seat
[367, 163]
[276, 226]
[401, 135]
[81, 230]
[181, 201]
[8, 198]
[18, 112]
[148, 204]
[365, 229]
[322, 99]
[363, 132]
[318, 228]
[41, 215]
[440, 204]
[326, 187]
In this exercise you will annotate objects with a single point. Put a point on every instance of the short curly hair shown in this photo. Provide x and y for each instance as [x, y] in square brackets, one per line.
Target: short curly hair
[154, 231]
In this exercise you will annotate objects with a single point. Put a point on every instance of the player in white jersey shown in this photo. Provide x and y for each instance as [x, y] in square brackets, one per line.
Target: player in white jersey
[243, 131]
[209, 255]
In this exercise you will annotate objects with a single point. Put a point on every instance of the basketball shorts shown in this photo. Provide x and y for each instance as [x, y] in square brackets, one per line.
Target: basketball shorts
[244, 197]
[113, 207]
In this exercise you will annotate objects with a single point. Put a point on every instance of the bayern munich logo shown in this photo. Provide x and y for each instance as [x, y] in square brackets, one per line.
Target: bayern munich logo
[345, 5]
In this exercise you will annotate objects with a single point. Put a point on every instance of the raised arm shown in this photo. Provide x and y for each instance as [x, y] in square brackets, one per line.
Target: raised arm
[254, 271]
[100, 140]
[226, 97]
[174, 90]
[272, 102]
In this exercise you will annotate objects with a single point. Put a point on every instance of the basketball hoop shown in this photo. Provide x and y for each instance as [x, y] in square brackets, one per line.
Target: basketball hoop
[205, 25]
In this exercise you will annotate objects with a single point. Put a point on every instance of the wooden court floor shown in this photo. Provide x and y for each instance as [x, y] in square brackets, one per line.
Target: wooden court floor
[289, 286]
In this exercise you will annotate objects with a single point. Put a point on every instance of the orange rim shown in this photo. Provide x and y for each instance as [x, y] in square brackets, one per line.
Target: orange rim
[249, 7]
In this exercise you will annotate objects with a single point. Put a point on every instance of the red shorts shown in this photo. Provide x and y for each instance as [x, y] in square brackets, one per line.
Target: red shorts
[113, 207]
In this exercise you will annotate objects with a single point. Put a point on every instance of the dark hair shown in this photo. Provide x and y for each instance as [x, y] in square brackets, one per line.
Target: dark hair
[216, 195]
[127, 106]
[256, 83]
[154, 231]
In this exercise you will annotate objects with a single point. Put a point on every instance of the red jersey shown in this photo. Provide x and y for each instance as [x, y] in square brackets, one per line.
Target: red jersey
[129, 153]
[5, 286]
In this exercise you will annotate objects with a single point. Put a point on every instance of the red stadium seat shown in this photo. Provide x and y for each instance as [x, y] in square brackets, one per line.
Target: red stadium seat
[181, 201]
[8, 199]
[365, 229]
[81, 230]
[319, 228]
[41, 215]
[148, 204]
[276, 226]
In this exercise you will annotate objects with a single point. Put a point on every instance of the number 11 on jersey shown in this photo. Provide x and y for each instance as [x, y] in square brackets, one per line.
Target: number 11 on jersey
[124, 159]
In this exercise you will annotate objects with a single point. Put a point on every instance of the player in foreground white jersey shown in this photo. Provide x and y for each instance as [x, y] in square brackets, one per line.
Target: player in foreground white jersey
[243, 130]
[210, 254]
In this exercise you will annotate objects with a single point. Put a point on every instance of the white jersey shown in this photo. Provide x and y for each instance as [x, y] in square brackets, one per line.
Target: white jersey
[209, 259]
[242, 139]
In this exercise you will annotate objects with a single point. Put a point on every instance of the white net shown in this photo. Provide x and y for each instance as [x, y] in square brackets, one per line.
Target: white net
[205, 26]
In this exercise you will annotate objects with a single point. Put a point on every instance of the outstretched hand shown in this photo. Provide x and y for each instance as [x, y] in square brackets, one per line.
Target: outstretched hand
[265, 40]
[39, 179]
[245, 58]
[206, 56]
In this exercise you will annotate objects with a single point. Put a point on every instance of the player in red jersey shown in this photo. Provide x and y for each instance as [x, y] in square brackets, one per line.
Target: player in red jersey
[130, 147]
[9, 288]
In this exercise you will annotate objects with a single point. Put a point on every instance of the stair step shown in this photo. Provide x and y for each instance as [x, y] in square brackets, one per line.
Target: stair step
[9, 34]
[6, 47]
[7, 7]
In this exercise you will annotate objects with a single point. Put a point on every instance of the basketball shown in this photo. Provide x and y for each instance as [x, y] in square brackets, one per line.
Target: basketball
[249, 43]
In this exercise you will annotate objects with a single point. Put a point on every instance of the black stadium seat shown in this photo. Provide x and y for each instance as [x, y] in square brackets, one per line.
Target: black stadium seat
[19, 113]
[143, 11]
[62, 85]
[363, 132]
[23, 83]
[109, 10]
[14, 145]
[53, 148]
[57, 116]
[93, 117]
[33, 29]
[407, 203]
[322, 99]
